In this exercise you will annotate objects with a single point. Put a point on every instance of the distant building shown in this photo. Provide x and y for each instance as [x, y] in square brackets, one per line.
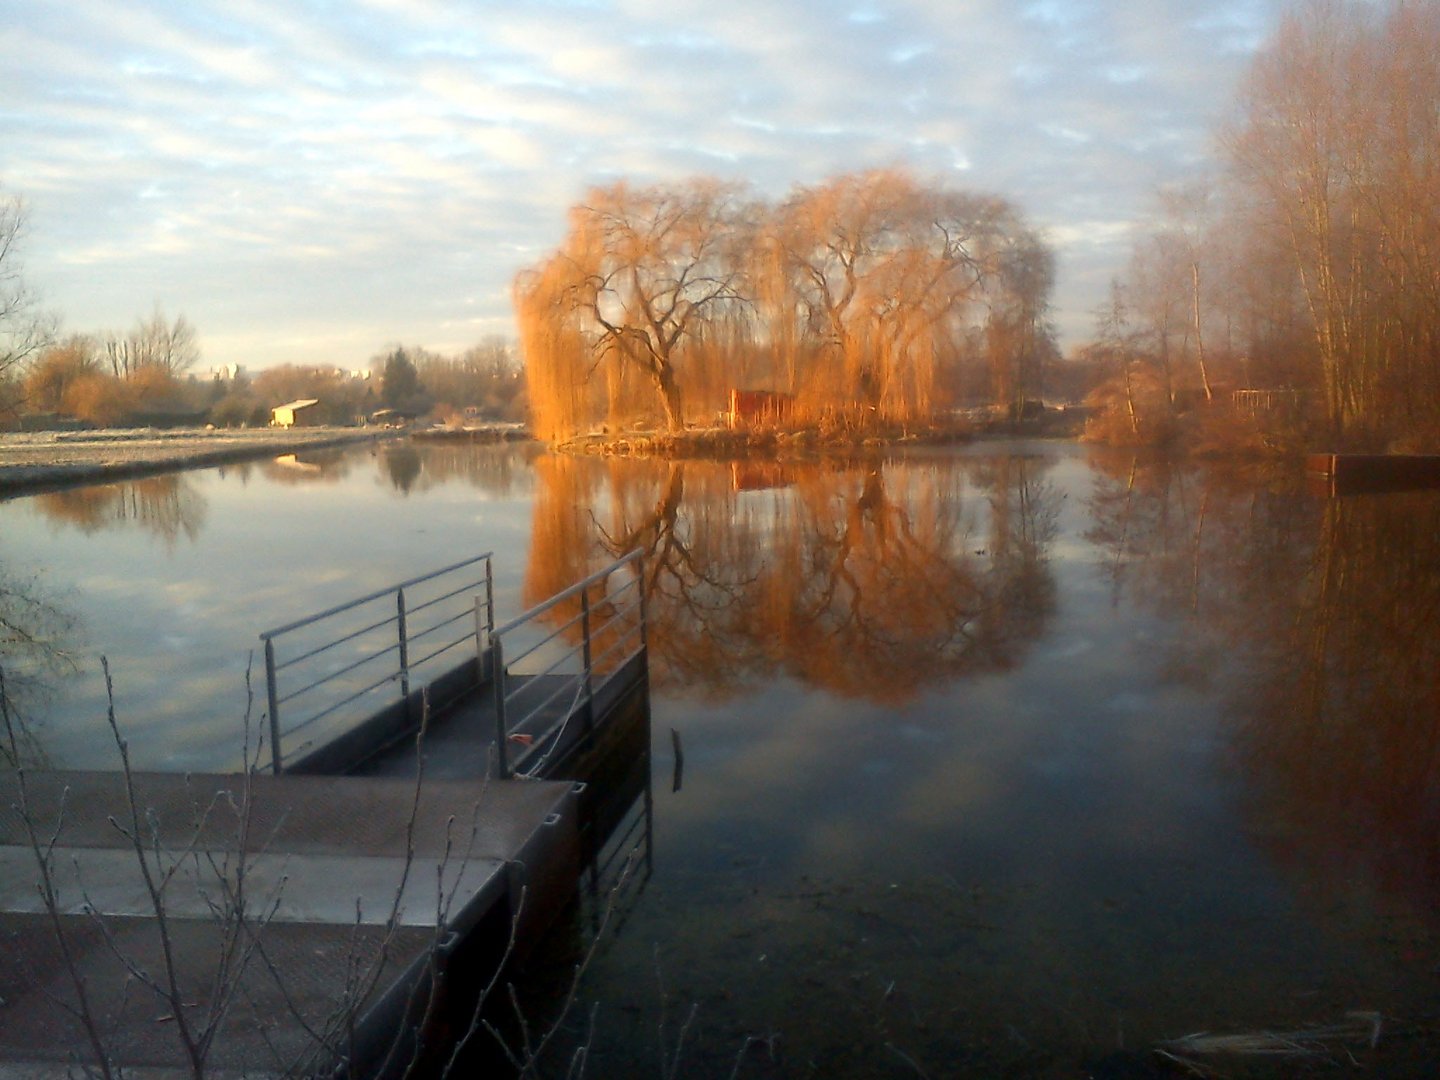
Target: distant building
[300, 413]
[759, 408]
[392, 416]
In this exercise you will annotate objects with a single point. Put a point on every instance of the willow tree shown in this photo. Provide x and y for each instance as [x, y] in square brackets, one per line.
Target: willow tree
[830, 237]
[883, 269]
[555, 349]
[647, 266]
[849, 295]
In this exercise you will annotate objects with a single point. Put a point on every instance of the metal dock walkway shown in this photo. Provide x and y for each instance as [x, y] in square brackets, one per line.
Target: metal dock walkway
[523, 698]
[312, 916]
[338, 898]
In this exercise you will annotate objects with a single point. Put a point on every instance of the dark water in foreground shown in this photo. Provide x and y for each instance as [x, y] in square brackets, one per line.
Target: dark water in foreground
[996, 762]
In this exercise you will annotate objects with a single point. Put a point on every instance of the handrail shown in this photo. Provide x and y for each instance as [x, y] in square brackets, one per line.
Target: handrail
[376, 595]
[479, 600]
[565, 594]
[550, 682]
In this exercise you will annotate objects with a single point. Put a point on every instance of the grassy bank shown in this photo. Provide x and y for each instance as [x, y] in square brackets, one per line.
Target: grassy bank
[55, 459]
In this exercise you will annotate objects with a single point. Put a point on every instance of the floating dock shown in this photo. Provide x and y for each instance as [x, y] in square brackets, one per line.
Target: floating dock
[322, 917]
[1357, 474]
[338, 899]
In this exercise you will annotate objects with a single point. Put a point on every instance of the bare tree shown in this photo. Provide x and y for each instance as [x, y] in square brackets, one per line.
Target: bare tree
[158, 343]
[1018, 334]
[650, 265]
[1337, 145]
[1187, 214]
[24, 328]
[1114, 349]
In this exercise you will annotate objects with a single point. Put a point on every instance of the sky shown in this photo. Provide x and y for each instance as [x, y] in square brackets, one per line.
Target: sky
[309, 181]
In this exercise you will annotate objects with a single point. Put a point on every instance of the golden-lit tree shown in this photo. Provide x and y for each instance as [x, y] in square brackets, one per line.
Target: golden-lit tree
[556, 349]
[99, 399]
[882, 271]
[851, 296]
[56, 370]
[647, 267]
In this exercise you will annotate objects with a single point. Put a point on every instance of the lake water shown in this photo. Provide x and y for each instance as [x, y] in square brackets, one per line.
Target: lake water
[1006, 760]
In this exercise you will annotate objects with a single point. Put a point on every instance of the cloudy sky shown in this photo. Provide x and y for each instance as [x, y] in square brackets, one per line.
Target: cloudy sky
[309, 180]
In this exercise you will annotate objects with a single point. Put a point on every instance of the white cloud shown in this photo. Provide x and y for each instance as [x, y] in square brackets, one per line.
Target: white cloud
[314, 180]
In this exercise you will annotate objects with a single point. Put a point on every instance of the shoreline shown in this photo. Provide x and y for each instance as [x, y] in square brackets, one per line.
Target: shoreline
[724, 442]
[35, 462]
[728, 443]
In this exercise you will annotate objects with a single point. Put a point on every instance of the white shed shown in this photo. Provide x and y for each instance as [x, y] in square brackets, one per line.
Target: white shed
[294, 413]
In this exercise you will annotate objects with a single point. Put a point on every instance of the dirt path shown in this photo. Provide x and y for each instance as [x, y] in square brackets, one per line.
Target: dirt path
[52, 459]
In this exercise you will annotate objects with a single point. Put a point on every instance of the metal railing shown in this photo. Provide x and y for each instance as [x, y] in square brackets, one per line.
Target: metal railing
[546, 680]
[346, 656]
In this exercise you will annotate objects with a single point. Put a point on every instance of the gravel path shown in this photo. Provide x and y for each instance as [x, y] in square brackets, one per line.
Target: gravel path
[50, 459]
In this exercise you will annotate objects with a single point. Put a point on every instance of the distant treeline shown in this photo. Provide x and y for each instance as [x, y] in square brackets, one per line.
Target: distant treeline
[870, 298]
[146, 377]
[483, 381]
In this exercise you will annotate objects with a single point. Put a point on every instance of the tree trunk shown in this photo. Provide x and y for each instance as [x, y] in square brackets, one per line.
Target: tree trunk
[1199, 339]
[670, 397]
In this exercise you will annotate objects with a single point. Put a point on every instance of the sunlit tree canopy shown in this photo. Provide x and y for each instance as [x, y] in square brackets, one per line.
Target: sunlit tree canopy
[862, 298]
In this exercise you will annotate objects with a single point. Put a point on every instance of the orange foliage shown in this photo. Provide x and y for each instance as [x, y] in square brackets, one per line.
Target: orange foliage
[852, 296]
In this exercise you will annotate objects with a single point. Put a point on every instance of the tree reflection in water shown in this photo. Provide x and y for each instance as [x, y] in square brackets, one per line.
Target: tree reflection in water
[499, 470]
[36, 649]
[873, 579]
[402, 463]
[411, 468]
[1327, 613]
[168, 506]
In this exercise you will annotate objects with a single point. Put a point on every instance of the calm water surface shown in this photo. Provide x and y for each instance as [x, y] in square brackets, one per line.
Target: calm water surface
[997, 761]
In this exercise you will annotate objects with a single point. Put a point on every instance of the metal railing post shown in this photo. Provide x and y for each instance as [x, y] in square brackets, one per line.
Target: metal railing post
[404, 647]
[640, 591]
[585, 651]
[502, 736]
[272, 695]
[489, 612]
[489, 596]
[482, 644]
